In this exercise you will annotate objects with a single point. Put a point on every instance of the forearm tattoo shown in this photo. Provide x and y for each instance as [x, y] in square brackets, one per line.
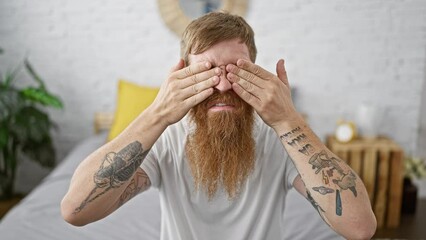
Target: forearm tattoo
[297, 139]
[115, 169]
[314, 203]
[334, 178]
[139, 183]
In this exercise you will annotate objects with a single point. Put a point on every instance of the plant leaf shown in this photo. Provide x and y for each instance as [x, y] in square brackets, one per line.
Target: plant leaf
[40, 95]
[31, 124]
[4, 135]
[33, 74]
[10, 102]
[9, 77]
[41, 152]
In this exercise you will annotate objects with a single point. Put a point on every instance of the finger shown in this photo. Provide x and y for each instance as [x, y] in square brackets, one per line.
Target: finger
[200, 77]
[243, 74]
[199, 87]
[198, 98]
[281, 72]
[246, 85]
[179, 66]
[253, 68]
[192, 69]
[246, 96]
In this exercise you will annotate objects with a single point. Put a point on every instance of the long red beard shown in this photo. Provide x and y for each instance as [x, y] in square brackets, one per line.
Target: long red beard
[221, 150]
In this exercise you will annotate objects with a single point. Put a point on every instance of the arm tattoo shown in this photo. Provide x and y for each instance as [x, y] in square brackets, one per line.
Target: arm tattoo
[297, 139]
[323, 190]
[329, 167]
[307, 149]
[321, 160]
[338, 203]
[314, 203]
[288, 135]
[140, 182]
[347, 181]
[323, 163]
[116, 169]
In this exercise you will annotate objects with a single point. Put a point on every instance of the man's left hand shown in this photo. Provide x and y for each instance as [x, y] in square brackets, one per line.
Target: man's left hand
[267, 93]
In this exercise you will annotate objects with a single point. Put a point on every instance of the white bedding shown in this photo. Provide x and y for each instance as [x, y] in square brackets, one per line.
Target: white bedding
[38, 215]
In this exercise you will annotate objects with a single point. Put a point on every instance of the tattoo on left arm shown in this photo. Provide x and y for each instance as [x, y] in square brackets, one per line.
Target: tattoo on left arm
[338, 203]
[297, 139]
[314, 203]
[329, 167]
[323, 190]
[321, 160]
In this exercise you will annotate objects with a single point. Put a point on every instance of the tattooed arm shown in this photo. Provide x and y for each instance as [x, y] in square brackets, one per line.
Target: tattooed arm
[332, 187]
[111, 175]
[108, 178]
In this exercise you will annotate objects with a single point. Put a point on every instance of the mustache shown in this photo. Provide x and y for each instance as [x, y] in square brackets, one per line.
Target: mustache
[228, 97]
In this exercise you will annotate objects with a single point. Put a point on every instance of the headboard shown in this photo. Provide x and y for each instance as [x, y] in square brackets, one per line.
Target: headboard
[103, 121]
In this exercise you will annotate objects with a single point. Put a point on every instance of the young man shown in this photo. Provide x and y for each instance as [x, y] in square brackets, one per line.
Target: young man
[223, 144]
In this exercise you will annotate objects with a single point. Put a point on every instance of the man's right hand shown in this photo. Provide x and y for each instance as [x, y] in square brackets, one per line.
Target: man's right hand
[184, 88]
[95, 191]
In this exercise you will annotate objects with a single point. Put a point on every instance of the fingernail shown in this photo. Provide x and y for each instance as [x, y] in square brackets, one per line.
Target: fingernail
[216, 79]
[218, 71]
[229, 67]
[207, 65]
[229, 76]
[240, 62]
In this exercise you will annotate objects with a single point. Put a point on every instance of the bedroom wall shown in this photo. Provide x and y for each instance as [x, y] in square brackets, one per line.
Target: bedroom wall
[339, 54]
[421, 142]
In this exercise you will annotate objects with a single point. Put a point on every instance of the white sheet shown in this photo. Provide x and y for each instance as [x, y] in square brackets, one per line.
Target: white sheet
[38, 215]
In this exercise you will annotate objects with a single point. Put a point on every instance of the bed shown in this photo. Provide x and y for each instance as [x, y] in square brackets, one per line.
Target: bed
[38, 216]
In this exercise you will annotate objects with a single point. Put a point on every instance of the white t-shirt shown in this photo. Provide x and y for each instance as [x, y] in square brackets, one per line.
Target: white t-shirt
[187, 214]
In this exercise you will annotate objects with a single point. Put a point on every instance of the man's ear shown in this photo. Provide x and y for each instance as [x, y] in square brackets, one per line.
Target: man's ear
[178, 66]
[187, 62]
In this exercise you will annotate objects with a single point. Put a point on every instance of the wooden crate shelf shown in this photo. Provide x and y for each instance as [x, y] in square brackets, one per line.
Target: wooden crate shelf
[379, 163]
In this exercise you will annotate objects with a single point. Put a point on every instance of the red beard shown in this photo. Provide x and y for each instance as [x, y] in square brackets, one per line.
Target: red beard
[221, 150]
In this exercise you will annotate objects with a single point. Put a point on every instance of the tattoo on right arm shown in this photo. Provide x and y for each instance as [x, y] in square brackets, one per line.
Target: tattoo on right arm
[140, 182]
[115, 170]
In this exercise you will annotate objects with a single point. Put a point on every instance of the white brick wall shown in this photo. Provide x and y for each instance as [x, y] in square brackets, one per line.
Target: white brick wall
[342, 53]
[421, 142]
[339, 54]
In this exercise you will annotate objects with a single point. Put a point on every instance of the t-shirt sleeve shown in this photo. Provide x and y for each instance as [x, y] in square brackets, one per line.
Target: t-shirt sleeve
[290, 172]
[151, 167]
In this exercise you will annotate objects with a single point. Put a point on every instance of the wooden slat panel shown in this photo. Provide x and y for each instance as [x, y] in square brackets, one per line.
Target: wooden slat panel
[339, 153]
[369, 172]
[344, 155]
[382, 188]
[356, 161]
[381, 173]
[395, 196]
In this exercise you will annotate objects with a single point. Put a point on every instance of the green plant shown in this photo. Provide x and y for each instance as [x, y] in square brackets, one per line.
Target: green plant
[25, 128]
[415, 168]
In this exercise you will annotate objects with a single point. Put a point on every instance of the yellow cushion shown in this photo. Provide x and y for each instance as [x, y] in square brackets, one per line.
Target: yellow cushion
[132, 99]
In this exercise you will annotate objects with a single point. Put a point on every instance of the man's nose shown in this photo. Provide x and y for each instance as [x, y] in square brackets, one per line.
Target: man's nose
[224, 84]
